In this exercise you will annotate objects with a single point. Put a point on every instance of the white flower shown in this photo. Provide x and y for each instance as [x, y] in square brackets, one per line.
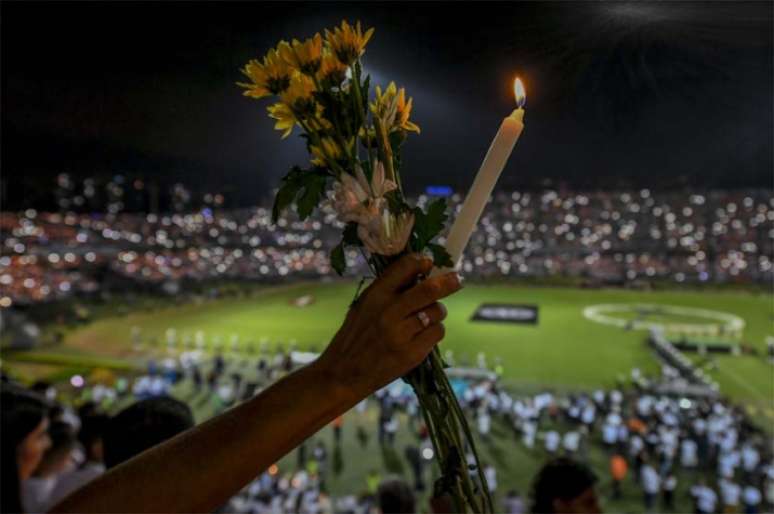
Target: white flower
[379, 185]
[386, 234]
[354, 199]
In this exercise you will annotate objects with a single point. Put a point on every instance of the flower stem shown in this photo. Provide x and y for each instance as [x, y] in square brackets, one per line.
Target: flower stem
[316, 140]
[448, 429]
[384, 143]
[360, 109]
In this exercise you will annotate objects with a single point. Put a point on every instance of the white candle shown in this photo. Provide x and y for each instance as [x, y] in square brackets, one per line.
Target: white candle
[484, 183]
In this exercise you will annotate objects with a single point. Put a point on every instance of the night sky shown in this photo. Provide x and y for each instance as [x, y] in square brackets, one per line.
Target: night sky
[664, 94]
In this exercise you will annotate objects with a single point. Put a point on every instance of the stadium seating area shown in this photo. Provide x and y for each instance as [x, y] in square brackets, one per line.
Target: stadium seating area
[623, 237]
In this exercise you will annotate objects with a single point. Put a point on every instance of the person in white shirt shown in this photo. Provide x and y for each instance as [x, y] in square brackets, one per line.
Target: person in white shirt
[623, 434]
[529, 429]
[490, 473]
[513, 503]
[391, 428]
[636, 445]
[705, 497]
[588, 415]
[571, 442]
[668, 487]
[484, 421]
[730, 494]
[750, 457]
[552, 441]
[699, 426]
[751, 496]
[727, 463]
[651, 485]
[688, 453]
[609, 434]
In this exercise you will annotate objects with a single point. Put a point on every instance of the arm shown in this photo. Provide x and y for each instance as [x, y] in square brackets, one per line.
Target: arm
[197, 471]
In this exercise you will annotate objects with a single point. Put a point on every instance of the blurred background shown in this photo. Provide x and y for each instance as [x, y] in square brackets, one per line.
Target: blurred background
[618, 303]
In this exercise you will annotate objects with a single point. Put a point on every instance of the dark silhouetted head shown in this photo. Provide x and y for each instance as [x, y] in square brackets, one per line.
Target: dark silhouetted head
[395, 497]
[142, 425]
[564, 486]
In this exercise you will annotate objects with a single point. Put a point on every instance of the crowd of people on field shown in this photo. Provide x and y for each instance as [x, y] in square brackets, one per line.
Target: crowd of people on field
[651, 442]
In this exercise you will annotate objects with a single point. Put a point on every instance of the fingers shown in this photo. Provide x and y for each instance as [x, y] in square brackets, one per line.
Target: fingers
[403, 272]
[416, 322]
[426, 293]
[427, 339]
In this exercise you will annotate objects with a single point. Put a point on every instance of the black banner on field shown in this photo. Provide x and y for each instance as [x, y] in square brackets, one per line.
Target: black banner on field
[507, 313]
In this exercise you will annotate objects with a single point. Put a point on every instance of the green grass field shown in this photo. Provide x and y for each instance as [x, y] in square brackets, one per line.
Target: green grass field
[564, 351]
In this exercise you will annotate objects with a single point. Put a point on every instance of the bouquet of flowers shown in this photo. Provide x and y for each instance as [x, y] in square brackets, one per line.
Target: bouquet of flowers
[354, 142]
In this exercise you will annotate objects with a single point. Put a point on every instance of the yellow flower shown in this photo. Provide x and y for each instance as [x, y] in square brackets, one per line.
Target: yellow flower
[348, 42]
[368, 137]
[286, 120]
[329, 149]
[271, 76]
[319, 122]
[299, 96]
[393, 110]
[305, 57]
[331, 69]
[385, 106]
[403, 112]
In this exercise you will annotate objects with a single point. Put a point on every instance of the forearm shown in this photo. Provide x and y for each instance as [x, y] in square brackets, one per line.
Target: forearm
[202, 468]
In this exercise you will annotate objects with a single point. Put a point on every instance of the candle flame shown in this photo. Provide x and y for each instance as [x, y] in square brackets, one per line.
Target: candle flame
[519, 93]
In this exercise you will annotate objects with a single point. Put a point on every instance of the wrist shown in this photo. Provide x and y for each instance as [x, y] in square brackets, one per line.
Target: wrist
[330, 378]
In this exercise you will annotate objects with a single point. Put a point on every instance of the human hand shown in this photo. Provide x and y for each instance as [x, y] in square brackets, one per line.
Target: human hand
[395, 324]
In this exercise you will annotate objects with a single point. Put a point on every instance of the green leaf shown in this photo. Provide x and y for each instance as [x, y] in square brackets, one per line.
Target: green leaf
[441, 258]
[350, 235]
[428, 225]
[304, 187]
[291, 184]
[314, 187]
[397, 138]
[365, 91]
[338, 261]
[395, 202]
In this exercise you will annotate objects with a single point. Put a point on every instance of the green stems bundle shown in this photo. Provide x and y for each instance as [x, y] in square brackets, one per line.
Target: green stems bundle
[321, 90]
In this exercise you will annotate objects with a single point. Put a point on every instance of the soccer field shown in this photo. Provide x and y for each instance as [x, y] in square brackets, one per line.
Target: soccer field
[564, 350]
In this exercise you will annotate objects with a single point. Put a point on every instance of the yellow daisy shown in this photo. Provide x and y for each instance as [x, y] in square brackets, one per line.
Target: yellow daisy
[328, 149]
[271, 76]
[332, 70]
[306, 57]
[319, 122]
[393, 110]
[286, 120]
[385, 105]
[403, 112]
[299, 96]
[348, 42]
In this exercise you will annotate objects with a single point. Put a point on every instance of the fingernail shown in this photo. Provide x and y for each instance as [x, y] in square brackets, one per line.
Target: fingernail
[444, 312]
[460, 280]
